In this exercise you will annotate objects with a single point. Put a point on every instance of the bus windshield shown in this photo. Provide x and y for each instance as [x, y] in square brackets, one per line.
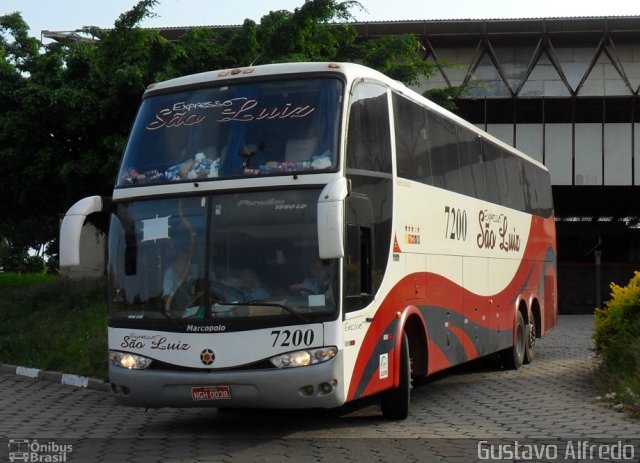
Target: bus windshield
[252, 129]
[246, 255]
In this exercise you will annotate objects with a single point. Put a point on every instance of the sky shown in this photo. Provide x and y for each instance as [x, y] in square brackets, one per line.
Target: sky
[68, 15]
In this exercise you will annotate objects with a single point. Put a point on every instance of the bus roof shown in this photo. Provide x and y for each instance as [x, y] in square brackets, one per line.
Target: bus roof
[350, 71]
[225, 75]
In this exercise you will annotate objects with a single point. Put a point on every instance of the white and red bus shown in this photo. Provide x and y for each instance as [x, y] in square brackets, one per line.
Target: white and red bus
[304, 235]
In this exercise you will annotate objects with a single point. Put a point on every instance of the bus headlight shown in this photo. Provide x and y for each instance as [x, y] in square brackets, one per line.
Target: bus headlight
[130, 361]
[303, 358]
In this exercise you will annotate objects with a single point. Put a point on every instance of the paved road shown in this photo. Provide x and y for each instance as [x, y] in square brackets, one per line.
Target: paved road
[552, 401]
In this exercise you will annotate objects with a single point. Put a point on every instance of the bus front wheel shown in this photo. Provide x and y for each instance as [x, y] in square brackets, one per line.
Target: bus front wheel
[394, 403]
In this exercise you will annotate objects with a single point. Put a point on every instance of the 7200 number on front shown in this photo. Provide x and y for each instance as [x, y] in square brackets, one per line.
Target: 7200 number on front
[292, 338]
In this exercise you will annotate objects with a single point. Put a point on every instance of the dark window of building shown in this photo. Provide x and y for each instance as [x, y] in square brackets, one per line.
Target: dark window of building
[618, 110]
[500, 111]
[636, 110]
[557, 110]
[472, 111]
[589, 110]
[529, 111]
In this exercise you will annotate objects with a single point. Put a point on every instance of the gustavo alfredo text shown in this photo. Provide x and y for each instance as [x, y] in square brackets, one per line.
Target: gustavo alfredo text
[570, 450]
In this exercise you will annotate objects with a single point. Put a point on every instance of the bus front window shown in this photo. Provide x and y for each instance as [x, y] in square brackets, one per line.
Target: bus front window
[156, 256]
[245, 255]
[267, 128]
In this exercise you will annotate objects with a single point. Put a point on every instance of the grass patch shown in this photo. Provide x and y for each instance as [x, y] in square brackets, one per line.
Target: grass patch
[22, 280]
[54, 324]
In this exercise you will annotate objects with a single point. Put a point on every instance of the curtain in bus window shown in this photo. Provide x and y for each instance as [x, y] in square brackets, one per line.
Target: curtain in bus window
[443, 150]
[369, 142]
[412, 149]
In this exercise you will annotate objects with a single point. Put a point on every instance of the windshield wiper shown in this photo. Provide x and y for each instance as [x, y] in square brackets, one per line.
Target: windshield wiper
[169, 316]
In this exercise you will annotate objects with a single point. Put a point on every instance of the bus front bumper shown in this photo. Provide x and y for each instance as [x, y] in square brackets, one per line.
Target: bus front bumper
[314, 386]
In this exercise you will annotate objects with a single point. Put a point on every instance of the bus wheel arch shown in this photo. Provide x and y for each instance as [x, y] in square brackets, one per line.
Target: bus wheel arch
[416, 333]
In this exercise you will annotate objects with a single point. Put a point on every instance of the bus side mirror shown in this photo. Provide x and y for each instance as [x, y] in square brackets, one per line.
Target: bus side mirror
[331, 219]
[72, 227]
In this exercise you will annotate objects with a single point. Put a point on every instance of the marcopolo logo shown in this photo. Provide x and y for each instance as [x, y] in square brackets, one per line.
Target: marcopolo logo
[207, 357]
[34, 451]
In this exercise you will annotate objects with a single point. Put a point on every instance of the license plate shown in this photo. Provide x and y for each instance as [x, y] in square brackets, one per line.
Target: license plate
[210, 392]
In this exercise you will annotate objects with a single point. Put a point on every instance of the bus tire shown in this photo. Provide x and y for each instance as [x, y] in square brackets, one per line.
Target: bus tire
[394, 403]
[530, 342]
[513, 357]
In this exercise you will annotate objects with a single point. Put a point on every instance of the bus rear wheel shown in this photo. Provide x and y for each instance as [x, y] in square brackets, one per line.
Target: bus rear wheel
[513, 357]
[530, 344]
[394, 403]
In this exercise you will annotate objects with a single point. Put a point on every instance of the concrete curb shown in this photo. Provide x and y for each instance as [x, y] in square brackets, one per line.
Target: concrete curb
[57, 377]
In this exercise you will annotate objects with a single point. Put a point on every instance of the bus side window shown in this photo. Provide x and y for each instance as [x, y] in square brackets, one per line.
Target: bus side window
[514, 167]
[369, 142]
[443, 148]
[412, 149]
[494, 173]
[473, 181]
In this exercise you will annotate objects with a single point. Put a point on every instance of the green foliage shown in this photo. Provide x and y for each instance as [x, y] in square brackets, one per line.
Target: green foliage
[399, 57]
[54, 324]
[66, 107]
[617, 341]
[445, 97]
[306, 34]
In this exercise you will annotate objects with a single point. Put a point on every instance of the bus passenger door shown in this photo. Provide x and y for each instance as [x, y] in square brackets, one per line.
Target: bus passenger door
[358, 262]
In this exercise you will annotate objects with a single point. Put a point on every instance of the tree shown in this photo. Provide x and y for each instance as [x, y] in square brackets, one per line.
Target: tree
[400, 57]
[308, 33]
[66, 108]
[27, 82]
